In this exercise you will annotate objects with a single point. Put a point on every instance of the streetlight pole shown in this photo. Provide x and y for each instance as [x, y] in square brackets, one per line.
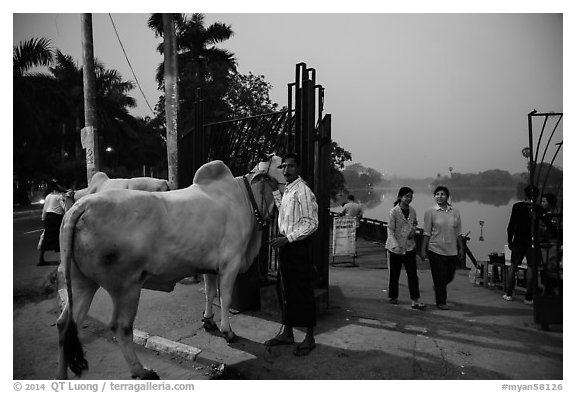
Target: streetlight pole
[89, 134]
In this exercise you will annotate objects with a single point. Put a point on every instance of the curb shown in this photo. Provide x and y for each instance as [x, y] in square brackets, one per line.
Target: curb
[161, 344]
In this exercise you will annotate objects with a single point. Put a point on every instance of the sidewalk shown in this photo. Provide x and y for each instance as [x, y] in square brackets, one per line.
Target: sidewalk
[362, 336]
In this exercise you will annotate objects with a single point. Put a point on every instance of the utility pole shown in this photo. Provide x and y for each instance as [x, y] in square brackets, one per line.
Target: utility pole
[89, 134]
[171, 97]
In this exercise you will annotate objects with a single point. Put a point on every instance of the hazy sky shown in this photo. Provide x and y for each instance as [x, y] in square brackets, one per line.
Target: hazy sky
[409, 94]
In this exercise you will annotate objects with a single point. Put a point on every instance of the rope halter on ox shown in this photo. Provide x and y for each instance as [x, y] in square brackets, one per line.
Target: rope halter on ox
[262, 222]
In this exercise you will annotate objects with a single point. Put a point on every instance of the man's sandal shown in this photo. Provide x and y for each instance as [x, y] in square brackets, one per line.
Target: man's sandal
[273, 342]
[304, 349]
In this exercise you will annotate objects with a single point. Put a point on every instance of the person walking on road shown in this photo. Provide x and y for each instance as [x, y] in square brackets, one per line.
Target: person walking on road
[52, 214]
[297, 221]
[442, 243]
[401, 247]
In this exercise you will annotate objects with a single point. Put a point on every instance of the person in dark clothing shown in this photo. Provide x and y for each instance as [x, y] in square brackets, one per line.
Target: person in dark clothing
[520, 243]
[549, 222]
[52, 214]
[550, 242]
[297, 221]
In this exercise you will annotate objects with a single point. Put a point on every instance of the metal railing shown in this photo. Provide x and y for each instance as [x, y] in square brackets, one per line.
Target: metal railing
[376, 230]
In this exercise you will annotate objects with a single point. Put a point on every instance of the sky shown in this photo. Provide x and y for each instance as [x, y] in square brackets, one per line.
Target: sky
[410, 94]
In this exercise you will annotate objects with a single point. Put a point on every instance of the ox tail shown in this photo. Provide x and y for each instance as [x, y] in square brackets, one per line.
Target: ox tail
[73, 351]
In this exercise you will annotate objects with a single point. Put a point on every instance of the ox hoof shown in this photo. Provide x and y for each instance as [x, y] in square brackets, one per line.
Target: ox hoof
[230, 337]
[148, 374]
[208, 324]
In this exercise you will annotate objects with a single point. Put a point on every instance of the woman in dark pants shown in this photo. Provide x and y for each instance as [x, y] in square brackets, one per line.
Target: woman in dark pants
[52, 214]
[401, 246]
[442, 243]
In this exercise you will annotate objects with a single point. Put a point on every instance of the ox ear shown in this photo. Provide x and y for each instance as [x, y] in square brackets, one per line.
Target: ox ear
[261, 167]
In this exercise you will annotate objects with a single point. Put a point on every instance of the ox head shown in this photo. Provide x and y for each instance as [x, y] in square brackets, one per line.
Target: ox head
[270, 166]
[68, 199]
[264, 178]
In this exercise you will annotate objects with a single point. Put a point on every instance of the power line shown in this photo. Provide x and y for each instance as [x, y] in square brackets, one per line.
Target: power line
[130, 65]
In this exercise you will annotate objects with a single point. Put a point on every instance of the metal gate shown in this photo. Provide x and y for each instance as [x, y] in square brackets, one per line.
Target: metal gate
[547, 242]
[239, 143]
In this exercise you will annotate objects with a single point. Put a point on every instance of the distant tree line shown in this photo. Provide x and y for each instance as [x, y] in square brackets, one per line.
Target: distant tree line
[359, 176]
[490, 178]
[549, 174]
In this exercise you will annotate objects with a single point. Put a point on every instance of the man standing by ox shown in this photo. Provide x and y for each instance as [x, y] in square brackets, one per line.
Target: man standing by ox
[297, 220]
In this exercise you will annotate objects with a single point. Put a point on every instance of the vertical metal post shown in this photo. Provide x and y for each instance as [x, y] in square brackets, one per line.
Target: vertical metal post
[298, 132]
[531, 147]
[290, 144]
[89, 134]
[171, 98]
[533, 218]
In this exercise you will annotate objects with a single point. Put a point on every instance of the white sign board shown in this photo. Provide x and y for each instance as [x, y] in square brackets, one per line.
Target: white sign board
[344, 236]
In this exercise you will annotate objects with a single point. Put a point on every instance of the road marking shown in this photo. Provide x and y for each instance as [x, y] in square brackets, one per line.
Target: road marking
[36, 230]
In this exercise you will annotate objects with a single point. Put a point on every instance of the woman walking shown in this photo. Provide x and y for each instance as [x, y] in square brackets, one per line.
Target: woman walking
[442, 243]
[52, 214]
[401, 247]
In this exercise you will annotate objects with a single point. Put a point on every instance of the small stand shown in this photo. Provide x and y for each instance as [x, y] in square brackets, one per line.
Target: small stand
[344, 239]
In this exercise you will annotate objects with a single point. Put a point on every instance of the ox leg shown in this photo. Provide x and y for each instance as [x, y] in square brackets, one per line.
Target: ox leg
[83, 295]
[227, 280]
[210, 287]
[62, 370]
[125, 307]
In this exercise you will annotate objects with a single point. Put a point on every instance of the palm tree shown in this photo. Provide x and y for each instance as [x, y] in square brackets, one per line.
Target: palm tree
[116, 125]
[32, 103]
[69, 77]
[48, 115]
[200, 64]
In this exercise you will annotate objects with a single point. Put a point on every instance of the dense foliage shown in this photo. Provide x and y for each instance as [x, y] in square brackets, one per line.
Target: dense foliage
[49, 114]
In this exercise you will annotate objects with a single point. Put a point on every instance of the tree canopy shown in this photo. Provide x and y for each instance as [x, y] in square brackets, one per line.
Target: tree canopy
[49, 108]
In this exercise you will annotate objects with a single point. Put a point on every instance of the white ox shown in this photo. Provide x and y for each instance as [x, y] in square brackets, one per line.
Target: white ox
[124, 240]
[101, 182]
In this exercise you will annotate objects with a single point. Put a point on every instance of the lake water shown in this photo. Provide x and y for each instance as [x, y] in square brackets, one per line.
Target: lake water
[491, 206]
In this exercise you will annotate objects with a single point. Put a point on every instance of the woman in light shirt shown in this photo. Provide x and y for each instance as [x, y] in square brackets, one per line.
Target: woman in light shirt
[442, 243]
[401, 246]
[52, 214]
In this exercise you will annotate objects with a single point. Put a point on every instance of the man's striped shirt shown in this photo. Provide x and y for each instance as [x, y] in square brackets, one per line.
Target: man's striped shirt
[298, 211]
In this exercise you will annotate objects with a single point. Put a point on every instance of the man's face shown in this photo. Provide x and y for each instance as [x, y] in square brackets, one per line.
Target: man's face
[290, 170]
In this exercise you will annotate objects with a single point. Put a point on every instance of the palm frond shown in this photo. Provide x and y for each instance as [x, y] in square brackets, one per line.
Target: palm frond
[218, 32]
[31, 53]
